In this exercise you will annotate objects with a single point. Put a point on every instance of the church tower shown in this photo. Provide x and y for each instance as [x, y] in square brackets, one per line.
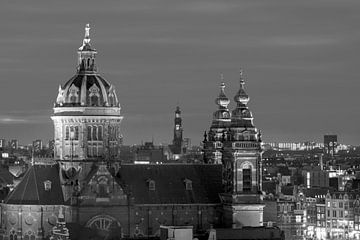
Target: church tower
[86, 119]
[178, 132]
[213, 140]
[234, 140]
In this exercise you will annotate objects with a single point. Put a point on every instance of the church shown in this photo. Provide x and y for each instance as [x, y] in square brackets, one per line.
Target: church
[87, 192]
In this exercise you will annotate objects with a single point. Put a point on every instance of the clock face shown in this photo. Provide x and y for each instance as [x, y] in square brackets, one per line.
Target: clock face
[177, 127]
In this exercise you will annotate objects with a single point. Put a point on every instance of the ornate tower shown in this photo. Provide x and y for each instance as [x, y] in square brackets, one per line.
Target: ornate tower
[86, 118]
[234, 142]
[213, 141]
[178, 131]
[242, 167]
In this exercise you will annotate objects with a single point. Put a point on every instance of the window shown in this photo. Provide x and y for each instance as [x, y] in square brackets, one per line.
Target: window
[247, 180]
[188, 184]
[94, 133]
[76, 133]
[334, 213]
[67, 133]
[341, 213]
[341, 205]
[328, 213]
[100, 134]
[151, 185]
[47, 185]
[89, 129]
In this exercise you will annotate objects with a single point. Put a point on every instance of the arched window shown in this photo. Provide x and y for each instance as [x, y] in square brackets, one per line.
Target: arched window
[100, 133]
[89, 133]
[67, 133]
[94, 95]
[88, 63]
[76, 133]
[94, 133]
[72, 133]
[247, 179]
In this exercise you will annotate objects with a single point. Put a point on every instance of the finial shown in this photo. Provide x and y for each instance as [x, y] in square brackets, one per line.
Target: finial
[242, 82]
[222, 86]
[87, 34]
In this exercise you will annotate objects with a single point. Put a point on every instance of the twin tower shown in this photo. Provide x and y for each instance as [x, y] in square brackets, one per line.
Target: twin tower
[234, 142]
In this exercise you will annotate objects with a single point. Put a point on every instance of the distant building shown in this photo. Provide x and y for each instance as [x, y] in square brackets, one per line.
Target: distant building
[37, 146]
[3, 143]
[14, 144]
[177, 144]
[148, 153]
[330, 144]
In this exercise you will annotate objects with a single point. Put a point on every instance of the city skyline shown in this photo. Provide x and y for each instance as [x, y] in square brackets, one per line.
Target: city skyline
[299, 61]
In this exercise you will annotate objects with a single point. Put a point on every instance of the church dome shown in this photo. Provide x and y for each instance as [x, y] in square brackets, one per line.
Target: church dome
[87, 88]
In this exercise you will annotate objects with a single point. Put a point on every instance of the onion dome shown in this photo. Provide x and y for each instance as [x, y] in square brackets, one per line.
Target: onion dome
[222, 101]
[241, 115]
[87, 88]
[241, 95]
[222, 115]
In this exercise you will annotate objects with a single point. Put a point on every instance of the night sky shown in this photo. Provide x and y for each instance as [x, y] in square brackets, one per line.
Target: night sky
[300, 61]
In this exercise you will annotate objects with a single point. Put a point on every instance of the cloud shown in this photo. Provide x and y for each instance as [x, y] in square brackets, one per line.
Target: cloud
[11, 120]
[301, 41]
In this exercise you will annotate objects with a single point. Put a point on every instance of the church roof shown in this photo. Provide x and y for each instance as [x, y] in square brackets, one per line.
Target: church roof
[31, 190]
[170, 183]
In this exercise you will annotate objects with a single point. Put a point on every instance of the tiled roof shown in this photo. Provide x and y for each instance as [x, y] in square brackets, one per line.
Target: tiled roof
[31, 190]
[170, 187]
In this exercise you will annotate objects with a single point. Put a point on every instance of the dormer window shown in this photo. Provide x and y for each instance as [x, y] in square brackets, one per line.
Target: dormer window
[47, 185]
[188, 184]
[151, 185]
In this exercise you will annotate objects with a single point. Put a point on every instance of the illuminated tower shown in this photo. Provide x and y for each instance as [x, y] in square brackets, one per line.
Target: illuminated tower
[220, 124]
[241, 158]
[86, 118]
[178, 131]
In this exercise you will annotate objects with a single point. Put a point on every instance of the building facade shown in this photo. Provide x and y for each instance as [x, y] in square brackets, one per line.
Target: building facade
[87, 193]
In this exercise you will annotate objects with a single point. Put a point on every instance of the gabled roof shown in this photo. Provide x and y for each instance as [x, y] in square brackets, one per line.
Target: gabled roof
[31, 189]
[170, 187]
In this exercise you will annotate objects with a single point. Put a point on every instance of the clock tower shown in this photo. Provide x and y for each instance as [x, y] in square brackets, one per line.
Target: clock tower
[178, 131]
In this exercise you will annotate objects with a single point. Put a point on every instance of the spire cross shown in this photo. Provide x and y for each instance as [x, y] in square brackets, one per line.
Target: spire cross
[242, 82]
[222, 85]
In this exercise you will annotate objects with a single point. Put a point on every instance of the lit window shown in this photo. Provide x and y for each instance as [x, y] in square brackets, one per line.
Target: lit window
[47, 185]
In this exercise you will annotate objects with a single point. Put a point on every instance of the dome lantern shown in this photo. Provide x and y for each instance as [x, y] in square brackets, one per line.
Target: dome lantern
[86, 54]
